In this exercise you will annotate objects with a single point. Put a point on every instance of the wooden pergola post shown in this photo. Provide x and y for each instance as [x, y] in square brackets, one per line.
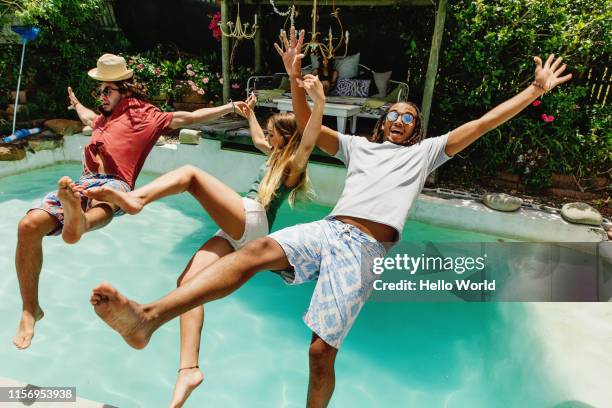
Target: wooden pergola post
[258, 40]
[432, 66]
[225, 51]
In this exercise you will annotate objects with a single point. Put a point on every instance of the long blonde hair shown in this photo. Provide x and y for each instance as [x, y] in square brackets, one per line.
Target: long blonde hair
[279, 159]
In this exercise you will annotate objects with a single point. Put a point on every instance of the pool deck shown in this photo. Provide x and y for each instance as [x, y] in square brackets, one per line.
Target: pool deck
[235, 164]
[80, 402]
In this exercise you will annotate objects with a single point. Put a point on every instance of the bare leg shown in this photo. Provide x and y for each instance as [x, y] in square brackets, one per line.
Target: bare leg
[190, 376]
[136, 322]
[222, 203]
[322, 380]
[28, 262]
[28, 255]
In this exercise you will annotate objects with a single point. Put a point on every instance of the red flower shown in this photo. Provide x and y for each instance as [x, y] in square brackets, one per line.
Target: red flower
[140, 66]
[544, 117]
[536, 103]
[550, 119]
[214, 26]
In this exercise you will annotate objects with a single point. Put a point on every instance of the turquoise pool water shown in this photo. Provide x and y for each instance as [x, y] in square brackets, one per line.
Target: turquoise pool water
[255, 346]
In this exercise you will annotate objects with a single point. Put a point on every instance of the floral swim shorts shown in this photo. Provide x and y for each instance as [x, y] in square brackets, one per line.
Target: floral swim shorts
[51, 203]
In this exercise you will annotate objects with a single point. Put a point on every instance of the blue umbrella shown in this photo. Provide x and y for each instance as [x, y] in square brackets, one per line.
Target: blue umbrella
[27, 33]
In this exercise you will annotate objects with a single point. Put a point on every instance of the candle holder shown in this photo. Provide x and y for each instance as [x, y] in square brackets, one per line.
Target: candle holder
[329, 45]
[238, 30]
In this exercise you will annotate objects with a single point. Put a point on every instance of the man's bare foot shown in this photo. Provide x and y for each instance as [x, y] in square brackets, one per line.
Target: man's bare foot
[126, 201]
[186, 381]
[74, 218]
[25, 332]
[122, 315]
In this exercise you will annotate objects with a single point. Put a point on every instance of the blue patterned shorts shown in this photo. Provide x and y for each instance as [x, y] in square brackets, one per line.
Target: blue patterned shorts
[339, 257]
[51, 203]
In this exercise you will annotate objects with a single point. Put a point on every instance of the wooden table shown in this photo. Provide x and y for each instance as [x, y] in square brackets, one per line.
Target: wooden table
[341, 112]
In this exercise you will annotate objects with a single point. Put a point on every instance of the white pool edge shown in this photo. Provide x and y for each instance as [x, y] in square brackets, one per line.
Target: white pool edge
[237, 169]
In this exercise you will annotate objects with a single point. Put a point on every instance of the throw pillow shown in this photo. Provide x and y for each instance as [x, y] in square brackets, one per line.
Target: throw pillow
[347, 67]
[285, 84]
[381, 79]
[352, 87]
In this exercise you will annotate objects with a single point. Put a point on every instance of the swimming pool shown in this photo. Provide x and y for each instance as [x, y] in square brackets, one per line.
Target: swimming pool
[255, 346]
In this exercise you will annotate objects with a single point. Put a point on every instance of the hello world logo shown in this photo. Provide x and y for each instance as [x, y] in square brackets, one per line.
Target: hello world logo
[431, 264]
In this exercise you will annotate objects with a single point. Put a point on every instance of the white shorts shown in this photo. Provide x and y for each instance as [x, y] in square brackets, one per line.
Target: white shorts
[256, 224]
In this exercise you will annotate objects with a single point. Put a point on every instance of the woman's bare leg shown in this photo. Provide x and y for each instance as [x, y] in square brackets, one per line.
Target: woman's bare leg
[222, 203]
[190, 375]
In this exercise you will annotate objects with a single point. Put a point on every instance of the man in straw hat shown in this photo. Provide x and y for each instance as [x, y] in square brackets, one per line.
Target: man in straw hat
[124, 132]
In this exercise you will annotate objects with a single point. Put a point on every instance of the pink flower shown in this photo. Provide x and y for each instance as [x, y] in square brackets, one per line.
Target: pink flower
[140, 66]
[235, 86]
[191, 83]
[194, 88]
[544, 117]
[190, 72]
[157, 71]
[205, 80]
[550, 119]
[536, 103]
[201, 91]
[221, 80]
[189, 66]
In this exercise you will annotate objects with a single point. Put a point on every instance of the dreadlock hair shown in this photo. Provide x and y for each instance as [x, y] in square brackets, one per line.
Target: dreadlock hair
[418, 134]
[136, 89]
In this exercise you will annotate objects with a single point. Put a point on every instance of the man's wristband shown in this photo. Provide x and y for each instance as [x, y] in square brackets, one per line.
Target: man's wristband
[539, 85]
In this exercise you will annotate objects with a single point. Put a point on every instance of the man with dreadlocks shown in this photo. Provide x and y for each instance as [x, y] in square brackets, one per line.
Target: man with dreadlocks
[384, 177]
[124, 132]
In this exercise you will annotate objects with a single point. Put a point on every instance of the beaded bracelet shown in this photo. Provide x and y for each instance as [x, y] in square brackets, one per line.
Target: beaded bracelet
[538, 85]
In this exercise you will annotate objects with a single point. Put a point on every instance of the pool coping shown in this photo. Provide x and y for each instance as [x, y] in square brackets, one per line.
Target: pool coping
[328, 180]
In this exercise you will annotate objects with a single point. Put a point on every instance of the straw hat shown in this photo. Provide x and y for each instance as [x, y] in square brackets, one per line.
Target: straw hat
[111, 68]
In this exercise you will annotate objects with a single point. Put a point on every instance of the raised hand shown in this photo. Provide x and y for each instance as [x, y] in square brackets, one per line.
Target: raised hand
[74, 101]
[314, 88]
[291, 51]
[548, 75]
[242, 108]
[251, 100]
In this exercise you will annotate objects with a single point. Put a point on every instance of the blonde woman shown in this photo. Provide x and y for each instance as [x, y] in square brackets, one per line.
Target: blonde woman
[241, 219]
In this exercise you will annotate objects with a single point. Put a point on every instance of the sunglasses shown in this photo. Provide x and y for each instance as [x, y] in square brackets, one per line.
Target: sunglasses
[106, 91]
[407, 118]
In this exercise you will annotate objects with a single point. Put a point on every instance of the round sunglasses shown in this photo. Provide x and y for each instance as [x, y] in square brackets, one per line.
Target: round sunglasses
[407, 118]
[106, 91]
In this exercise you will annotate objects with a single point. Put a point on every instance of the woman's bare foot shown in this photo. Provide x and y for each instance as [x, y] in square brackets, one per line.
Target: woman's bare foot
[124, 316]
[25, 332]
[126, 201]
[74, 218]
[186, 381]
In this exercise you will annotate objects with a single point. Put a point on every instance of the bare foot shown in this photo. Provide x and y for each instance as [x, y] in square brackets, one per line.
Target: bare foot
[186, 381]
[25, 332]
[126, 201]
[122, 315]
[74, 218]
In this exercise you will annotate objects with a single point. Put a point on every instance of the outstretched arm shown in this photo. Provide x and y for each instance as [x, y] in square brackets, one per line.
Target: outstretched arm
[292, 57]
[181, 118]
[257, 133]
[546, 78]
[313, 86]
[86, 115]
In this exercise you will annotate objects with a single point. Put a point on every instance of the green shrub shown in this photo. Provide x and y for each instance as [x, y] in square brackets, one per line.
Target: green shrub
[487, 57]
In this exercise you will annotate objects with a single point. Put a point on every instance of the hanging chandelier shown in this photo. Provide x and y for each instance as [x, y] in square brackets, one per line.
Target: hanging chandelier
[328, 46]
[238, 30]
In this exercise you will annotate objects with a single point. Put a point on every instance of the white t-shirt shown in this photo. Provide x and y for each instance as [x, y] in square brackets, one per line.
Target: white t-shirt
[384, 179]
